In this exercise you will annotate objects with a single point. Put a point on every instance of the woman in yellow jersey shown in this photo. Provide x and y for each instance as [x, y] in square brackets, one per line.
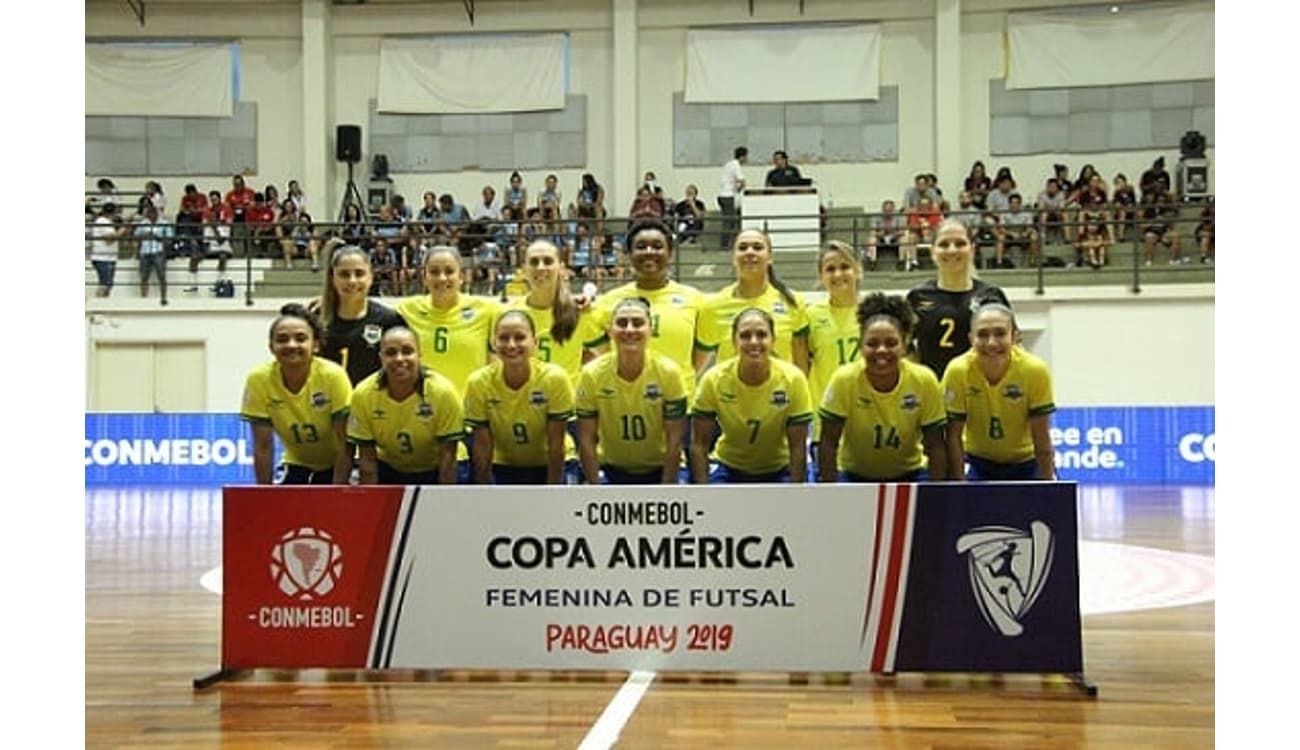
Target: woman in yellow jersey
[353, 320]
[518, 409]
[761, 406]
[757, 286]
[562, 326]
[999, 401]
[303, 399]
[454, 329]
[631, 403]
[883, 415]
[833, 328]
[406, 419]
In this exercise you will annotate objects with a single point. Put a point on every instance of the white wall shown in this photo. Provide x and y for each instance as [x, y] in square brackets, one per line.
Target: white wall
[1106, 347]
[270, 34]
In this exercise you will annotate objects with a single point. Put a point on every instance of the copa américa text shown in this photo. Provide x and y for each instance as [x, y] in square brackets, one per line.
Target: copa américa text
[668, 552]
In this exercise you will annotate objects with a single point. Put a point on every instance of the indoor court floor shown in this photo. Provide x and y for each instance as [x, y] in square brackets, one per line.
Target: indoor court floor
[153, 625]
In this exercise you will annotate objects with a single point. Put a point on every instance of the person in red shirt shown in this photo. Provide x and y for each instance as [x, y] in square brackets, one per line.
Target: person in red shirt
[259, 220]
[922, 220]
[239, 198]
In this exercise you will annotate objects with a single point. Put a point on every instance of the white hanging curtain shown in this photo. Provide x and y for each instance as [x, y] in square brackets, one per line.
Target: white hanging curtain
[789, 64]
[470, 74]
[162, 81]
[1051, 49]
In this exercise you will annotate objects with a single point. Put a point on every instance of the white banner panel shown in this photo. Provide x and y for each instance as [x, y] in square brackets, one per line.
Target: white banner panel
[791, 64]
[1053, 49]
[158, 81]
[468, 75]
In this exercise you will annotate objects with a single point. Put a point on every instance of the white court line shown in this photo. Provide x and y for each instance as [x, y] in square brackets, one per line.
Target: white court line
[604, 733]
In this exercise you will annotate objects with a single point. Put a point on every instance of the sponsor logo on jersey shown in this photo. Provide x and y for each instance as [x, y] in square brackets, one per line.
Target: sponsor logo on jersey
[909, 402]
[606, 392]
[973, 390]
[652, 392]
[1012, 391]
[925, 305]
[378, 413]
[864, 402]
[779, 398]
[467, 314]
[493, 403]
[306, 563]
[424, 410]
[1008, 569]
[319, 400]
[372, 333]
[727, 398]
[537, 398]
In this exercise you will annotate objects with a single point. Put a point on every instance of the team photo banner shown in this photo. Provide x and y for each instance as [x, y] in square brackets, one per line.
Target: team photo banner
[1095, 445]
[896, 577]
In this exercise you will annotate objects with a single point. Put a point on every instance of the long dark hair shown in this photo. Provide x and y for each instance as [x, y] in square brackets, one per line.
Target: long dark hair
[329, 298]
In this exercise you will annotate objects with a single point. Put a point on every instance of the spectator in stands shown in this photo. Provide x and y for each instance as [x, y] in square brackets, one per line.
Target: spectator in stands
[732, 185]
[391, 228]
[1004, 172]
[104, 234]
[1017, 230]
[216, 241]
[650, 181]
[189, 221]
[426, 221]
[354, 230]
[999, 201]
[1051, 211]
[401, 211]
[272, 194]
[306, 240]
[516, 195]
[488, 209]
[1092, 241]
[782, 173]
[690, 216]
[1123, 207]
[239, 198]
[1080, 187]
[1205, 231]
[1157, 217]
[550, 195]
[591, 199]
[155, 235]
[607, 257]
[1155, 179]
[1093, 206]
[921, 223]
[106, 192]
[579, 258]
[284, 228]
[977, 184]
[647, 205]
[154, 192]
[260, 218]
[888, 232]
[296, 195]
[967, 212]
[920, 189]
[387, 271]
[983, 235]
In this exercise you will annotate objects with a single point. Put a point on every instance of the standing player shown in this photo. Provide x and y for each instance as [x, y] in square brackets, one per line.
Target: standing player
[999, 402]
[406, 419]
[757, 286]
[760, 404]
[562, 327]
[833, 329]
[631, 404]
[518, 409]
[882, 415]
[943, 305]
[354, 323]
[304, 400]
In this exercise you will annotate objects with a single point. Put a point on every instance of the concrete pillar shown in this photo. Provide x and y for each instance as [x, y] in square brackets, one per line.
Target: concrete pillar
[947, 97]
[621, 186]
[317, 177]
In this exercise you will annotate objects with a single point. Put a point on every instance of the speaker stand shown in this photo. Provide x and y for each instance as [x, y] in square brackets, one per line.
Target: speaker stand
[352, 196]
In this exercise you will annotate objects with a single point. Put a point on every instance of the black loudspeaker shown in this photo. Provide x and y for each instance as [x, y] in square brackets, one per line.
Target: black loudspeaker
[347, 143]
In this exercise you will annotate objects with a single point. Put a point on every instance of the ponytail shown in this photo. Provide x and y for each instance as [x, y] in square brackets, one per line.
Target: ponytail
[780, 286]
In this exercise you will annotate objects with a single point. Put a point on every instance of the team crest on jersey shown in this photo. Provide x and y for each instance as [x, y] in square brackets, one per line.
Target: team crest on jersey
[319, 400]
[677, 300]
[778, 307]
[372, 333]
[537, 398]
[909, 402]
[652, 392]
[779, 398]
[1012, 392]
[424, 410]
[467, 314]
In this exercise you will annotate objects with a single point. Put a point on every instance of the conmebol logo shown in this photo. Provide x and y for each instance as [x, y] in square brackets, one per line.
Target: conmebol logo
[306, 563]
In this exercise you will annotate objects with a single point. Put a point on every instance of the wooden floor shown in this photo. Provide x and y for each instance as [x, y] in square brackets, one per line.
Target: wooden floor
[151, 628]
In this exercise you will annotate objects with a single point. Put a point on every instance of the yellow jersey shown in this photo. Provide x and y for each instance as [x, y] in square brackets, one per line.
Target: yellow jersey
[453, 342]
[674, 310]
[406, 434]
[833, 334]
[518, 419]
[996, 416]
[883, 431]
[567, 355]
[630, 415]
[753, 419]
[303, 420]
[713, 331]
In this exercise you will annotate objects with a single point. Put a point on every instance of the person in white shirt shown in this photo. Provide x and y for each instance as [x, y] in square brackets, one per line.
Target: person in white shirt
[103, 248]
[733, 181]
[489, 209]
